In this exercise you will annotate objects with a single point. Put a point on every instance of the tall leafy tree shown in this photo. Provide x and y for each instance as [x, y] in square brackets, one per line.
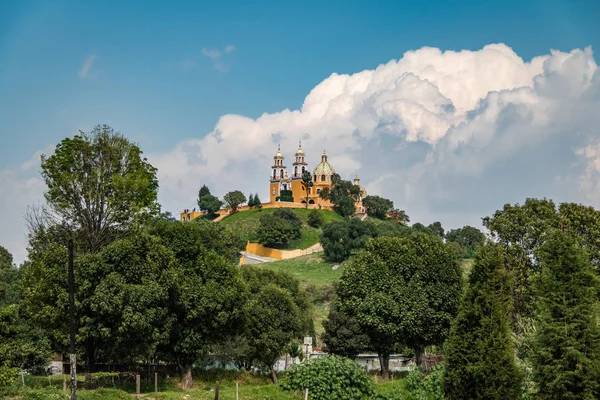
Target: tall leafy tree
[480, 353]
[566, 350]
[234, 199]
[121, 298]
[468, 237]
[342, 194]
[210, 204]
[343, 334]
[402, 290]
[278, 311]
[339, 239]
[207, 293]
[279, 228]
[308, 183]
[99, 185]
[204, 191]
[437, 229]
[377, 206]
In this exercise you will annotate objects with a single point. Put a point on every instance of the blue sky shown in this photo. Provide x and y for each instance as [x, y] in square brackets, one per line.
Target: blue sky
[203, 88]
[139, 82]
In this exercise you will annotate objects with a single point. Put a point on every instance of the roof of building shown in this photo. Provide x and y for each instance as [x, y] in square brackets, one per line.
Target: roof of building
[324, 168]
[300, 152]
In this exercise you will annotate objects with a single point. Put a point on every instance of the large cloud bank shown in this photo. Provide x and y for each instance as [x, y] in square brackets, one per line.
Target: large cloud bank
[448, 136]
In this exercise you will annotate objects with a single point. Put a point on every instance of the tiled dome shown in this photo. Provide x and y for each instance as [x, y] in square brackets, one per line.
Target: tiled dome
[324, 168]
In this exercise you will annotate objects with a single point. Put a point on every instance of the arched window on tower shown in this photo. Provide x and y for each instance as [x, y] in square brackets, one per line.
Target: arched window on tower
[274, 174]
[314, 178]
[303, 170]
[295, 171]
[322, 178]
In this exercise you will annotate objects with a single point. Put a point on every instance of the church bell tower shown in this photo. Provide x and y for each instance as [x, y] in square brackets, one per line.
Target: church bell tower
[278, 172]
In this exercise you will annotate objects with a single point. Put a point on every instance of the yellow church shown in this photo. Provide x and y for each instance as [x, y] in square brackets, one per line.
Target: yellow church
[281, 184]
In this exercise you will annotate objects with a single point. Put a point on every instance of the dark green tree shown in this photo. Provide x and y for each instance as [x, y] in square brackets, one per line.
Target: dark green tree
[207, 294]
[316, 219]
[279, 228]
[342, 194]
[343, 334]
[437, 229]
[402, 290]
[99, 185]
[566, 350]
[208, 203]
[6, 259]
[377, 207]
[257, 202]
[469, 239]
[204, 191]
[277, 312]
[234, 199]
[250, 200]
[480, 353]
[308, 183]
[339, 239]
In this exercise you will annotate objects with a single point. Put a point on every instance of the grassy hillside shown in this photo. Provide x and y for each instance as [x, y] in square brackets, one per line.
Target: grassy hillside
[245, 223]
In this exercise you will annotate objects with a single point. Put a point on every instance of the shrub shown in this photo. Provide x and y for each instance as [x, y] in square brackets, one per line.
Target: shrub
[329, 378]
[424, 386]
[279, 228]
[8, 380]
[286, 195]
[315, 219]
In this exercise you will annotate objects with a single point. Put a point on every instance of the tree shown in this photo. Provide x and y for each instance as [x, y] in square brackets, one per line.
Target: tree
[204, 191]
[315, 219]
[419, 227]
[22, 345]
[207, 294]
[279, 228]
[468, 237]
[308, 183]
[234, 199]
[277, 312]
[210, 204]
[250, 200]
[377, 206]
[99, 185]
[339, 239]
[330, 378]
[342, 194]
[402, 290]
[257, 202]
[437, 229]
[400, 216]
[343, 334]
[121, 298]
[480, 353]
[566, 350]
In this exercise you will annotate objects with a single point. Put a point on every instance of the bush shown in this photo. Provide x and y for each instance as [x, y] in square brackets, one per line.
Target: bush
[8, 380]
[329, 378]
[43, 394]
[315, 219]
[279, 228]
[424, 386]
[286, 195]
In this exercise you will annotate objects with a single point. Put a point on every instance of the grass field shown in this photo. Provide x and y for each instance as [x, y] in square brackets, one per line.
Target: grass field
[309, 270]
[245, 223]
[251, 387]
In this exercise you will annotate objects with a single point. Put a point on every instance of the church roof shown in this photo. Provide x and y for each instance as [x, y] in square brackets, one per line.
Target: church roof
[300, 152]
[324, 168]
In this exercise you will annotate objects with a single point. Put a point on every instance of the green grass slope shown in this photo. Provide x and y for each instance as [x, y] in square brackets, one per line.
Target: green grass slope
[244, 224]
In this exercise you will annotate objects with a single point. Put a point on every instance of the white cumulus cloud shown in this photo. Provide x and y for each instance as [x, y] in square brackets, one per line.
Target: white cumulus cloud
[448, 136]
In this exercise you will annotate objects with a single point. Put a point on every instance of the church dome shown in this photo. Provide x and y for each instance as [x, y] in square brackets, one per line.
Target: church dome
[300, 152]
[324, 168]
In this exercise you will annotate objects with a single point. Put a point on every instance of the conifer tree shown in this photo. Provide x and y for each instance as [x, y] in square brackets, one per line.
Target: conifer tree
[480, 355]
[566, 350]
[257, 202]
[251, 200]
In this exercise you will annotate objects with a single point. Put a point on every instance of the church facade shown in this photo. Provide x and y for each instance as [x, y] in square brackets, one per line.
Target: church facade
[282, 184]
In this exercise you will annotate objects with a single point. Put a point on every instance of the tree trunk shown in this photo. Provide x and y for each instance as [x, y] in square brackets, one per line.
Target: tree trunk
[273, 375]
[186, 376]
[90, 353]
[384, 363]
[419, 355]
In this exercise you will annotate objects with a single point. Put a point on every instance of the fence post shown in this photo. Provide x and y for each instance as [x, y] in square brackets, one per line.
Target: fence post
[22, 377]
[137, 386]
[64, 383]
[156, 385]
[306, 394]
[217, 391]
[236, 391]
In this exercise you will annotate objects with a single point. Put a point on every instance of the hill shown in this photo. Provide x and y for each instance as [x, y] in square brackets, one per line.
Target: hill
[244, 224]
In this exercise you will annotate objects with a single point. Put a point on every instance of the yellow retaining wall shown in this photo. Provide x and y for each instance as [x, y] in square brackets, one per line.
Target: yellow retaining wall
[262, 251]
